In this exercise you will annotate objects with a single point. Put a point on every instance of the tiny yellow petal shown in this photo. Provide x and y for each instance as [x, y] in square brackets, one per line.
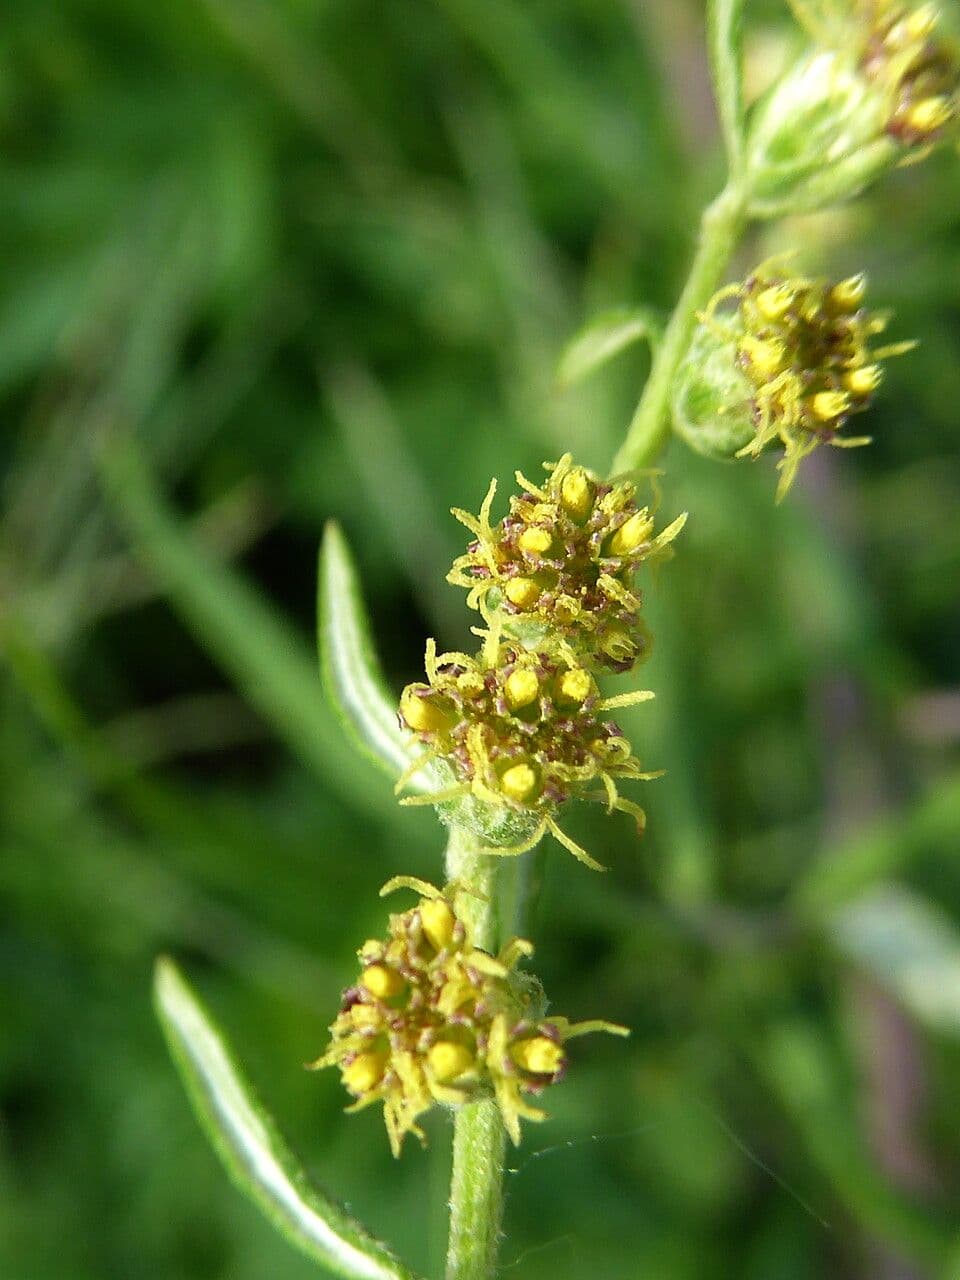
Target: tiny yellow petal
[381, 981]
[520, 783]
[848, 294]
[865, 380]
[522, 592]
[447, 1061]
[828, 405]
[775, 301]
[538, 1055]
[520, 688]
[930, 114]
[631, 534]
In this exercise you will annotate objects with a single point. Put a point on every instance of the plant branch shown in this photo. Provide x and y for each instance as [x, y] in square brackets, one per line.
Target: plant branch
[720, 230]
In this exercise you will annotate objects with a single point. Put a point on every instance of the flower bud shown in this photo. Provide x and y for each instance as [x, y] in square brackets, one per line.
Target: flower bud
[521, 688]
[437, 922]
[424, 712]
[365, 1072]
[448, 1060]
[538, 1055]
[523, 593]
[520, 783]
[382, 982]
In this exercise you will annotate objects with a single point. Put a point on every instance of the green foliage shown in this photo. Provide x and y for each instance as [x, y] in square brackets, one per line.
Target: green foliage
[266, 266]
[256, 1157]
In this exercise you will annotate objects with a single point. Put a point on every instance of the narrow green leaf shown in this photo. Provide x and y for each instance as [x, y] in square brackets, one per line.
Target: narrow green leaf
[604, 337]
[909, 946]
[258, 647]
[351, 671]
[256, 1157]
[725, 43]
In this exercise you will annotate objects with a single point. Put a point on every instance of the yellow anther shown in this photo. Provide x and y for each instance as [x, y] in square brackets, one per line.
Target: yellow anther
[437, 922]
[520, 688]
[577, 493]
[382, 981]
[574, 686]
[765, 357]
[827, 405]
[631, 534]
[522, 592]
[364, 1015]
[539, 1056]
[426, 713]
[520, 783]
[863, 381]
[930, 114]
[447, 1061]
[775, 301]
[365, 1072]
[535, 541]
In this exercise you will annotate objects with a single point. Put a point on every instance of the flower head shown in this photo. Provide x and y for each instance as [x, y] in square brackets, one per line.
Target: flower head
[521, 729]
[559, 568]
[916, 69]
[791, 364]
[432, 1019]
[878, 87]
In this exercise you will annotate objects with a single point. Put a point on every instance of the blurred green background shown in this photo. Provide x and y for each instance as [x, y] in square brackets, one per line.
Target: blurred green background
[267, 263]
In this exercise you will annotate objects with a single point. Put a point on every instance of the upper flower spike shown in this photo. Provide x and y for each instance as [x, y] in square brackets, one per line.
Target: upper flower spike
[792, 363]
[558, 570]
[523, 731]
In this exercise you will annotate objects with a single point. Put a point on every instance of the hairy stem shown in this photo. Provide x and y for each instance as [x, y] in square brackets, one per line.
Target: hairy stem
[476, 1189]
[720, 229]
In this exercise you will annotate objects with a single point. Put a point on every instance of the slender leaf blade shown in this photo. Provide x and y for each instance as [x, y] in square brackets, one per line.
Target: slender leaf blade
[604, 337]
[909, 946]
[725, 43]
[351, 671]
[256, 1157]
[250, 640]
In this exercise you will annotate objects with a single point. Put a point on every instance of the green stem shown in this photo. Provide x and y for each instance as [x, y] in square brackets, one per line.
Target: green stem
[476, 1189]
[720, 229]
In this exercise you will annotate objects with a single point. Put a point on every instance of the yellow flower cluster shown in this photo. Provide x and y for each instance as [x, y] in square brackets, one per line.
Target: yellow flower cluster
[917, 71]
[433, 1019]
[559, 568]
[805, 348]
[525, 729]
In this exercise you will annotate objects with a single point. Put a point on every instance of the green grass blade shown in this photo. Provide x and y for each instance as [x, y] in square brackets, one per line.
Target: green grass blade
[604, 337]
[255, 1155]
[256, 646]
[724, 38]
[909, 946]
[351, 671]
